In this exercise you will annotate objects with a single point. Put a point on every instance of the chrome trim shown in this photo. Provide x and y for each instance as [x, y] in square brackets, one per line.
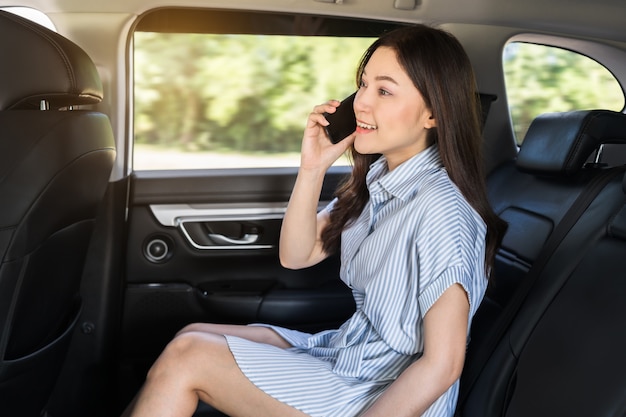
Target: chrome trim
[172, 214]
[176, 215]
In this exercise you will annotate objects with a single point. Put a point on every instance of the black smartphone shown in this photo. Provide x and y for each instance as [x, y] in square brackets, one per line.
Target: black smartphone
[342, 121]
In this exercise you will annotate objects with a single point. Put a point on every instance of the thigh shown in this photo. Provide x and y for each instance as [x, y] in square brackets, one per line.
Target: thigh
[214, 375]
[258, 334]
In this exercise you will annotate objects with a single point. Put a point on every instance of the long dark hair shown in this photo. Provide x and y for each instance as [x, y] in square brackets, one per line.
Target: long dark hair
[441, 71]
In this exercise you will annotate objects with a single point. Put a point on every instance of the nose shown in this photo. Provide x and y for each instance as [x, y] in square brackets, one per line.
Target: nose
[361, 101]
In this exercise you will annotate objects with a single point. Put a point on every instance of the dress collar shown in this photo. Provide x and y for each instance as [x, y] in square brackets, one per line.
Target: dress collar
[404, 181]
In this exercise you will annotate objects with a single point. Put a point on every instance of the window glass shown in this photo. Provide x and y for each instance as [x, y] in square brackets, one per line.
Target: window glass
[541, 79]
[231, 99]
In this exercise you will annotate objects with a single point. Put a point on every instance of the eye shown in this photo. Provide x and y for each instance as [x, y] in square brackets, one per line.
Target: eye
[383, 92]
[362, 84]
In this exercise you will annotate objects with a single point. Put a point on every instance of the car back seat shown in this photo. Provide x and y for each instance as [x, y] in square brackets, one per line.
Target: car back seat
[533, 193]
[563, 353]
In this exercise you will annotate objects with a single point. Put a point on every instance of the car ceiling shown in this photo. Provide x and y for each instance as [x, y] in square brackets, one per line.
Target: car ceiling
[587, 18]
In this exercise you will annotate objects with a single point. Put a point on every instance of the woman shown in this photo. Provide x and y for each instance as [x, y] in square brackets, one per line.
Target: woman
[417, 241]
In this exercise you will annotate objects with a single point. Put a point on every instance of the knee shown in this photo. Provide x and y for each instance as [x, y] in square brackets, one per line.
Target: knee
[190, 328]
[189, 359]
[177, 355]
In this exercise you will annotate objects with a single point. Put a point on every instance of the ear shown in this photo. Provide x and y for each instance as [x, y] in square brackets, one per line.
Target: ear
[430, 122]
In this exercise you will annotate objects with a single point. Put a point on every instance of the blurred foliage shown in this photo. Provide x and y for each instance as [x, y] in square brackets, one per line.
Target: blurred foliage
[541, 79]
[252, 93]
[243, 93]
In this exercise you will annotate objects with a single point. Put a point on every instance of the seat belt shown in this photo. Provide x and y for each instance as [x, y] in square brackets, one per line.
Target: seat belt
[589, 193]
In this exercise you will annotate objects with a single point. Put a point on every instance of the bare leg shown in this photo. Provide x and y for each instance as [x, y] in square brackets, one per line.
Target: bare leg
[198, 365]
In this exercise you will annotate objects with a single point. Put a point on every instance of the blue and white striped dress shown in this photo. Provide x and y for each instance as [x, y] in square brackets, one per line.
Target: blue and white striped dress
[415, 238]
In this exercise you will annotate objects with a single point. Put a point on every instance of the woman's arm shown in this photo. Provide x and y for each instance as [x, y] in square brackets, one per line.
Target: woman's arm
[445, 334]
[300, 242]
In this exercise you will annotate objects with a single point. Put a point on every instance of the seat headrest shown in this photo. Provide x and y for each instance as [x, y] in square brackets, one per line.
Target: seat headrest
[39, 64]
[560, 143]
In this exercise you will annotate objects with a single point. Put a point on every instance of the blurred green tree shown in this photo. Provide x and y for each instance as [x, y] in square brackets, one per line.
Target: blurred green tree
[541, 79]
[252, 93]
[246, 93]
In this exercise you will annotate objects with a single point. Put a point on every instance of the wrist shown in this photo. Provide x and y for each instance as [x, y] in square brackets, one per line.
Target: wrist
[312, 172]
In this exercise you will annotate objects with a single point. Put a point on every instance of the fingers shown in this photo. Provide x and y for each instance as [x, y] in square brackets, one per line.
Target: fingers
[317, 151]
[329, 107]
[317, 115]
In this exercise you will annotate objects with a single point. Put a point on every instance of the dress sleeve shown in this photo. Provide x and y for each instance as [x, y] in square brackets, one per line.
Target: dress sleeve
[451, 276]
[461, 260]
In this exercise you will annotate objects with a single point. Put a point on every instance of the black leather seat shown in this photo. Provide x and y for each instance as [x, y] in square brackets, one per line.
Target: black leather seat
[562, 353]
[55, 163]
[534, 192]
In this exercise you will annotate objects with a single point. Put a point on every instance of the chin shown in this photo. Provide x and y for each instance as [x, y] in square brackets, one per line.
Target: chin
[363, 146]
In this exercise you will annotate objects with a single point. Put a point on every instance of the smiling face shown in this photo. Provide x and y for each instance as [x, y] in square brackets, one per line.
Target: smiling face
[392, 117]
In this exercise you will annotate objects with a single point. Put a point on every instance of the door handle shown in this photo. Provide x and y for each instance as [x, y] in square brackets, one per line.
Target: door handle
[246, 239]
[228, 234]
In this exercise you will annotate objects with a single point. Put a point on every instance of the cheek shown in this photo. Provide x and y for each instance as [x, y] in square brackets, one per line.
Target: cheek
[411, 122]
[407, 117]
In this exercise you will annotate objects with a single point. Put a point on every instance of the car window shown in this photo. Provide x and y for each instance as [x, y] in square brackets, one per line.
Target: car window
[234, 90]
[541, 79]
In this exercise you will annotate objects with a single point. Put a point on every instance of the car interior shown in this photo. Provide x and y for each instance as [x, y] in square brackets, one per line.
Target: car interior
[56, 165]
[125, 212]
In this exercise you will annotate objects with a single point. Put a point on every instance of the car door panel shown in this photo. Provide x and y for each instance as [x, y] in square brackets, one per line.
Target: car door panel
[203, 246]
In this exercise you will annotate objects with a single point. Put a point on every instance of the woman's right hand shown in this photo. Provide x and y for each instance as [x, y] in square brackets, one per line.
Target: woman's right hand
[318, 152]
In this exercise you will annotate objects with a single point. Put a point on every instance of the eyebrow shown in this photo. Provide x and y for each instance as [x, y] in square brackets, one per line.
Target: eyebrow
[383, 78]
[386, 78]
